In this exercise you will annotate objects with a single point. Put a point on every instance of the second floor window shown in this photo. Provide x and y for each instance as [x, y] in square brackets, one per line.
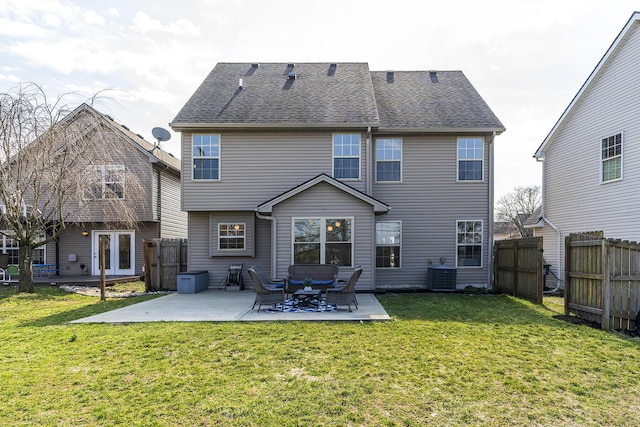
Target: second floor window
[388, 160]
[206, 157]
[470, 159]
[346, 156]
[105, 182]
[612, 158]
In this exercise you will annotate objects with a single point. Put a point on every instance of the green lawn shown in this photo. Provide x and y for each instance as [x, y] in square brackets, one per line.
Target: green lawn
[442, 360]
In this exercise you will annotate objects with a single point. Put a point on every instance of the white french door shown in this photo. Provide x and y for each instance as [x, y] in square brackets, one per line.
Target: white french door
[119, 252]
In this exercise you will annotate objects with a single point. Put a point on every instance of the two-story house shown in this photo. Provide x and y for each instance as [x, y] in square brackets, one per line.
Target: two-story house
[157, 206]
[333, 163]
[590, 157]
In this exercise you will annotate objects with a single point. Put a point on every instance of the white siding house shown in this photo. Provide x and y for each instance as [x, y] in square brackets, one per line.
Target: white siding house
[591, 157]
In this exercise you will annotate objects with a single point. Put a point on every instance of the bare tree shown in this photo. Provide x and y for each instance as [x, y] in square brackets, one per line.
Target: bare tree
[48, 171]
[517, 206]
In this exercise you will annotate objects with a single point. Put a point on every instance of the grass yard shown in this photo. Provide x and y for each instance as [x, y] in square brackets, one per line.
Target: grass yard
[443, 360]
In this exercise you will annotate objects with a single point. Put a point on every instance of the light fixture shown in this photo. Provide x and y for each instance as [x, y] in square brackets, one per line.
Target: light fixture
[236, 227]
[85, 233]
[337, 223]
[330, 228]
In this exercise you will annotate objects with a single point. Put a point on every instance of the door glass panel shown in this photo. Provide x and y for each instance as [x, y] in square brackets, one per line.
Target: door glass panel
[124, 241]
[107, 250]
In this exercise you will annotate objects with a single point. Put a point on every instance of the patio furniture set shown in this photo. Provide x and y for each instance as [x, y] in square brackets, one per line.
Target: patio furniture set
[306, 283]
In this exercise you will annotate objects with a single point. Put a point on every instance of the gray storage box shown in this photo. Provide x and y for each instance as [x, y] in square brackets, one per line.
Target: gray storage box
[192, 282]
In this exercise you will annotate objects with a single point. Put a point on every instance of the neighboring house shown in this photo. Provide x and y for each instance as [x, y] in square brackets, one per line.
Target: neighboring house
[504, 230]
[333, 163]
[76, 251]
[591, 156]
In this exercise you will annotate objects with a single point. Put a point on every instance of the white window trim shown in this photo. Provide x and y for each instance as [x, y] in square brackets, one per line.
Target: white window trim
[4, 248]
[602, 181]
[323, 236]
[458, 160]
[219, 157]
[244, 237]
[401, 240]
[103, 184]
[401, 160]
[482, 249]
[333, 156]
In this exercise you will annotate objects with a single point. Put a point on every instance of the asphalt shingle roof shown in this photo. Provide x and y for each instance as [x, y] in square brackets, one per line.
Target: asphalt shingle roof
[326, 94]
[430, 100]
[320, 94]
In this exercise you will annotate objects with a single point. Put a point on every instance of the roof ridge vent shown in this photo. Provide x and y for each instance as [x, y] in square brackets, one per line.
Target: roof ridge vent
[255, 65]
[291, 75]
[390, 77]
[433, 75]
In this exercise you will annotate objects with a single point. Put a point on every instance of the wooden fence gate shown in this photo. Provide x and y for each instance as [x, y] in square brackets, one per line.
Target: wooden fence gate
[602, 280]
[163, 260]
[518, 267]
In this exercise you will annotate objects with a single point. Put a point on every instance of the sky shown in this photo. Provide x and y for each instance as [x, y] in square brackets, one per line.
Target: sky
[527, 59]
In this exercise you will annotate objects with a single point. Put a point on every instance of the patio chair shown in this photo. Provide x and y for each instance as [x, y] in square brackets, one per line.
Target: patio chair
[345, 294]
[269, 283]
[265, 294]
[4, 263]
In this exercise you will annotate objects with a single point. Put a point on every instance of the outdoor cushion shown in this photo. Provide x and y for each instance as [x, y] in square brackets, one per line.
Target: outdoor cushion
[322, 282]
[296, 282]
[275, 285]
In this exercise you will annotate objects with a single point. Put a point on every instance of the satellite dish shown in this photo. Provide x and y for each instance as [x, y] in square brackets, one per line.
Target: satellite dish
[161, 134]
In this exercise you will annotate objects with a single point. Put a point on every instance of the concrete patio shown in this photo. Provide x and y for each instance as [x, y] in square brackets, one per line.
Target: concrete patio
[219, 306]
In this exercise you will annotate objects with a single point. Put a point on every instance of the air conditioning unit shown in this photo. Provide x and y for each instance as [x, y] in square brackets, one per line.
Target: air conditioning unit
[441, 278]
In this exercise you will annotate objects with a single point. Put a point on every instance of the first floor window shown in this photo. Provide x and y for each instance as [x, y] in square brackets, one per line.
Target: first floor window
[231, 236]
[612, 158]
[9, 245]
[206, 157]
[470, 159]
[388, 244]
[469, 243]
[323, 241]
[105, 182]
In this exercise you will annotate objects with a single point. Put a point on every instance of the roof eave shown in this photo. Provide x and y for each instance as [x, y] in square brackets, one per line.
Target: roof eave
[497, 130]
[189, 126]
[635, 16]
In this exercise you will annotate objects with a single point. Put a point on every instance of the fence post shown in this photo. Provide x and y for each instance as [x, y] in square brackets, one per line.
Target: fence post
[606, 285]
[540, 267]
[567, 274]
[515, 267]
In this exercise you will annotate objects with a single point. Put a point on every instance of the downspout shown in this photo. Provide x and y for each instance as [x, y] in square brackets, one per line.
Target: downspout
[274, 241]
[370, 162]
[548, 221]
[490, 245]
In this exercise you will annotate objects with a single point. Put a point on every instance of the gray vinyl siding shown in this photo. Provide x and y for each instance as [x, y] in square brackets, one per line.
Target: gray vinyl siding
[72, 241]
[139, 179]
[429, 201]
[323, 200]
[173, 222]
[200, 240]
[575, 199]
[255, 167]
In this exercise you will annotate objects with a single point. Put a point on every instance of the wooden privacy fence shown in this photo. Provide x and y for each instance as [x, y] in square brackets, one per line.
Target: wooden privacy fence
[163, 260]
[602, 280]
[517, 268]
